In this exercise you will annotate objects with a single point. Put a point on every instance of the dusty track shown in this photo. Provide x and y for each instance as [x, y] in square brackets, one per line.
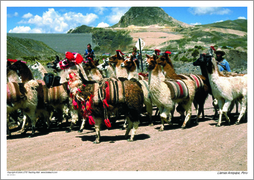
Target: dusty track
[198, 148]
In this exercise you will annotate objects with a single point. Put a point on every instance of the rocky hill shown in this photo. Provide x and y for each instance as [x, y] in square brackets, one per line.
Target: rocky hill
[144, 16]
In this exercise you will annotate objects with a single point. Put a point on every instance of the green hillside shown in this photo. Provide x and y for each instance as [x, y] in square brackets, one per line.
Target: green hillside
[23, 48]
[239, 24]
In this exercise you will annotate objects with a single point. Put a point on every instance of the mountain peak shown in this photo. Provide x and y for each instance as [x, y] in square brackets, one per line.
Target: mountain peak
[144, 16]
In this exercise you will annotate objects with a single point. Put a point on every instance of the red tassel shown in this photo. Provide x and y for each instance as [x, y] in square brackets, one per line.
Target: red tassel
[91, 120]
[107, 91]
[107, 123]
[105, 103]
[213, 48]
[75, 104]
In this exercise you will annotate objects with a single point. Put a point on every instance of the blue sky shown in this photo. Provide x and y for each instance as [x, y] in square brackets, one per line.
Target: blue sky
[43, 18]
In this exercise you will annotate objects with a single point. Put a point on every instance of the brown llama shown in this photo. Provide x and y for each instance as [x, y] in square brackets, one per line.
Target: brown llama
[98, 100]
[23, 96]
[115, 61]
[165, 93]
[202, 88]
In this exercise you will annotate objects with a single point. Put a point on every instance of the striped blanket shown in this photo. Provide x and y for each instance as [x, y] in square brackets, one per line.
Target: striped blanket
[15, 92]
[198, 81]
[48, 95]
[178, 89]
[111, 90]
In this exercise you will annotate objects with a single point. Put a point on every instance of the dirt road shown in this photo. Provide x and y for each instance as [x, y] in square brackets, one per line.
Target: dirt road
[198, 148]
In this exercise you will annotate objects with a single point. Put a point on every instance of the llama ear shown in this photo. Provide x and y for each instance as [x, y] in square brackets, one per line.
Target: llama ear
[147, 56]
[154, 57]
[119, 56]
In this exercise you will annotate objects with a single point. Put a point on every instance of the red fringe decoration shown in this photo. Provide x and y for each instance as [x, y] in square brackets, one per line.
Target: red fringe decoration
[91, 120]
[213, 48]
[107, 91]
[107, 123]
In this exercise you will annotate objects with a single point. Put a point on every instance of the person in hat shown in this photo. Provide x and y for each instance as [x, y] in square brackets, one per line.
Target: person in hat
[135, 56]
[89, 53]
[223, 64]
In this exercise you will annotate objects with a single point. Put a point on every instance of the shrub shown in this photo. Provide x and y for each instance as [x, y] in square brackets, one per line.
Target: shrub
[184, 59]
[195, 53]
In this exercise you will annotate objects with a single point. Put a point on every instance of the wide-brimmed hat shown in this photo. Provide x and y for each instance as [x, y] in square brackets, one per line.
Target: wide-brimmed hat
[220, 51]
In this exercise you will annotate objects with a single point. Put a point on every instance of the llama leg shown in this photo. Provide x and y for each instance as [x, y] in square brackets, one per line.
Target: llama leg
[74, 116]
[82, 125]
[97, 135]
[187, 107]
[242, 112]
[134, 129]
[225, 108]
[236, 106]
[130, 125]
[163, 119]
[149, 109]
[220, 105]
[125, 124]
[8, 130]
[23, 129]
[215, 105]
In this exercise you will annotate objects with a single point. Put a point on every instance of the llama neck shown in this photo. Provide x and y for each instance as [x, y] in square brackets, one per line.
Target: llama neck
[95, 74]
[110, 71]
[156, 76]
[170, 72]
[133, 72]
[214, 75]
[120, 71]
[41, 69]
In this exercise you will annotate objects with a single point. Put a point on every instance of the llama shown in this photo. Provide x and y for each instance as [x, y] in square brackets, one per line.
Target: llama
[23, 96]
[65, 68]
[202, 65]
[92, 71]
[106, 69]
[96, 105]
[19, 72]
[202, 90]
[133, 73]
[115, 61]
[22, 70]
[164, 96]
[226, 89]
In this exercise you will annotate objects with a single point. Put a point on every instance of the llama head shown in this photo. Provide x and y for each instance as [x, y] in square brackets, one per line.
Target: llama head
[129, 63]
[151, 61]
[207, 61]
[118, 57]
[103, 65]
[91, 64]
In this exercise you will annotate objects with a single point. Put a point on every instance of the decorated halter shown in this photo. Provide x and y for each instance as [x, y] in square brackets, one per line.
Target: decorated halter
[70, 60]
[15, 60]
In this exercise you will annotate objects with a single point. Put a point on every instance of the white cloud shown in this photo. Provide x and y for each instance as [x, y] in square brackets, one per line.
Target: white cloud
[25, 29]
[116, 14]
[20, 29]
[219, 21]
[209, 10]
[28, 15]
[102, 24]
[52, 21]
[100, 10]
[197, 23]
[13, 15]
[241, 17]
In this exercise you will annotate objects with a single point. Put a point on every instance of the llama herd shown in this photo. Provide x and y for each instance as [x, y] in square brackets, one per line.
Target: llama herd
[97, 94]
